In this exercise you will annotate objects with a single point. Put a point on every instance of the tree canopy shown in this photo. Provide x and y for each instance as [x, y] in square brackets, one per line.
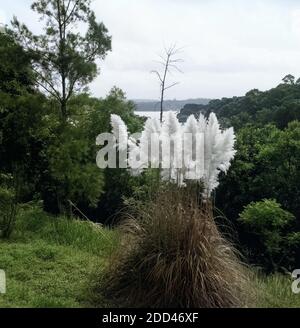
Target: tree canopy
[64, 59]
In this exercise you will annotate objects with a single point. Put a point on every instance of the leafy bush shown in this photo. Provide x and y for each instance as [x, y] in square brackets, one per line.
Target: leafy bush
[266, 166]
[269, 223]
[73, 172]
[266, 216]
[69, 169]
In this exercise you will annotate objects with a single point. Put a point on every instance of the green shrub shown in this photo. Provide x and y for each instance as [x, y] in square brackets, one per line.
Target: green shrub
[269, 226]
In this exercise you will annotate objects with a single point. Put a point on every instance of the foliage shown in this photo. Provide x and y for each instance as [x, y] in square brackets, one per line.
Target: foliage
[278, 106]
[15, 70]
[64, 59]
[117, 182]
[269, 222]
[266, 167]
[55, 162]
[243, 182]
[24, 129]
[265, 216]
[115, 103]
[74, 176]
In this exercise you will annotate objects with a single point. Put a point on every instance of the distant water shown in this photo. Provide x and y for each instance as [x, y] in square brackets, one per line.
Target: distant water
[152, 114]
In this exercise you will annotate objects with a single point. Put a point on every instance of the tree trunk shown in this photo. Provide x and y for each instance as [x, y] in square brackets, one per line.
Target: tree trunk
[161, 106]
[63, 108]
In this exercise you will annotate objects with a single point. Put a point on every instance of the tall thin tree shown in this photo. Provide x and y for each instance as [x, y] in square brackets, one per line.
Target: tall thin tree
[65, 58]
[168, 62]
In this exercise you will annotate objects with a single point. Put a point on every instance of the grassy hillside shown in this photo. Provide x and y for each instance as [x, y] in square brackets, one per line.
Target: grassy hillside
[49, 262]
[275, 291]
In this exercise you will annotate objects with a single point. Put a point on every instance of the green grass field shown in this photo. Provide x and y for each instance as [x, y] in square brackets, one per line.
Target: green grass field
[50, 262]
[275, 291]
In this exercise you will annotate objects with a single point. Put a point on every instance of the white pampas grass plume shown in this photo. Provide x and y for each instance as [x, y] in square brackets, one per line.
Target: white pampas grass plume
[119, 130]
[217, 148]
[202, 122]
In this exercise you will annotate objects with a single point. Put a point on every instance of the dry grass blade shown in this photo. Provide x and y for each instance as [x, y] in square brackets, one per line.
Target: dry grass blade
[174, 256]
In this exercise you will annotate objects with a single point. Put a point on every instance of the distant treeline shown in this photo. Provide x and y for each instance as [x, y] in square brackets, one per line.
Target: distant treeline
[154, 105]
[279, 105]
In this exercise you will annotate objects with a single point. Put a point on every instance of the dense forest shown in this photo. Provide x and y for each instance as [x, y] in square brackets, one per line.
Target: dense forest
[278, 106]
[266, 166]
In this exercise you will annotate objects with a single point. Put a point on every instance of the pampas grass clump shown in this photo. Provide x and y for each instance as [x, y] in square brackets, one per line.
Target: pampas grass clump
[172, 255]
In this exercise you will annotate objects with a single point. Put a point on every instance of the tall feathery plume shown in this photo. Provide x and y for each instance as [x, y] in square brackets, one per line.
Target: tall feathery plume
[171, 137]
[191, 162]
[173, 254]
[217, 148]
[119, 130]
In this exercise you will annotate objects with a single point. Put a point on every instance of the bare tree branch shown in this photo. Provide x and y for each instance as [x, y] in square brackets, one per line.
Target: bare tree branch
[159, 77]
[49, 91]
[168, 62]
[72, 11]
[68, 6]
[172, 85]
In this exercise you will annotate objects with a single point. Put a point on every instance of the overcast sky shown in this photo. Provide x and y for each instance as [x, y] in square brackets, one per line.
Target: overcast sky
[230, 46]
